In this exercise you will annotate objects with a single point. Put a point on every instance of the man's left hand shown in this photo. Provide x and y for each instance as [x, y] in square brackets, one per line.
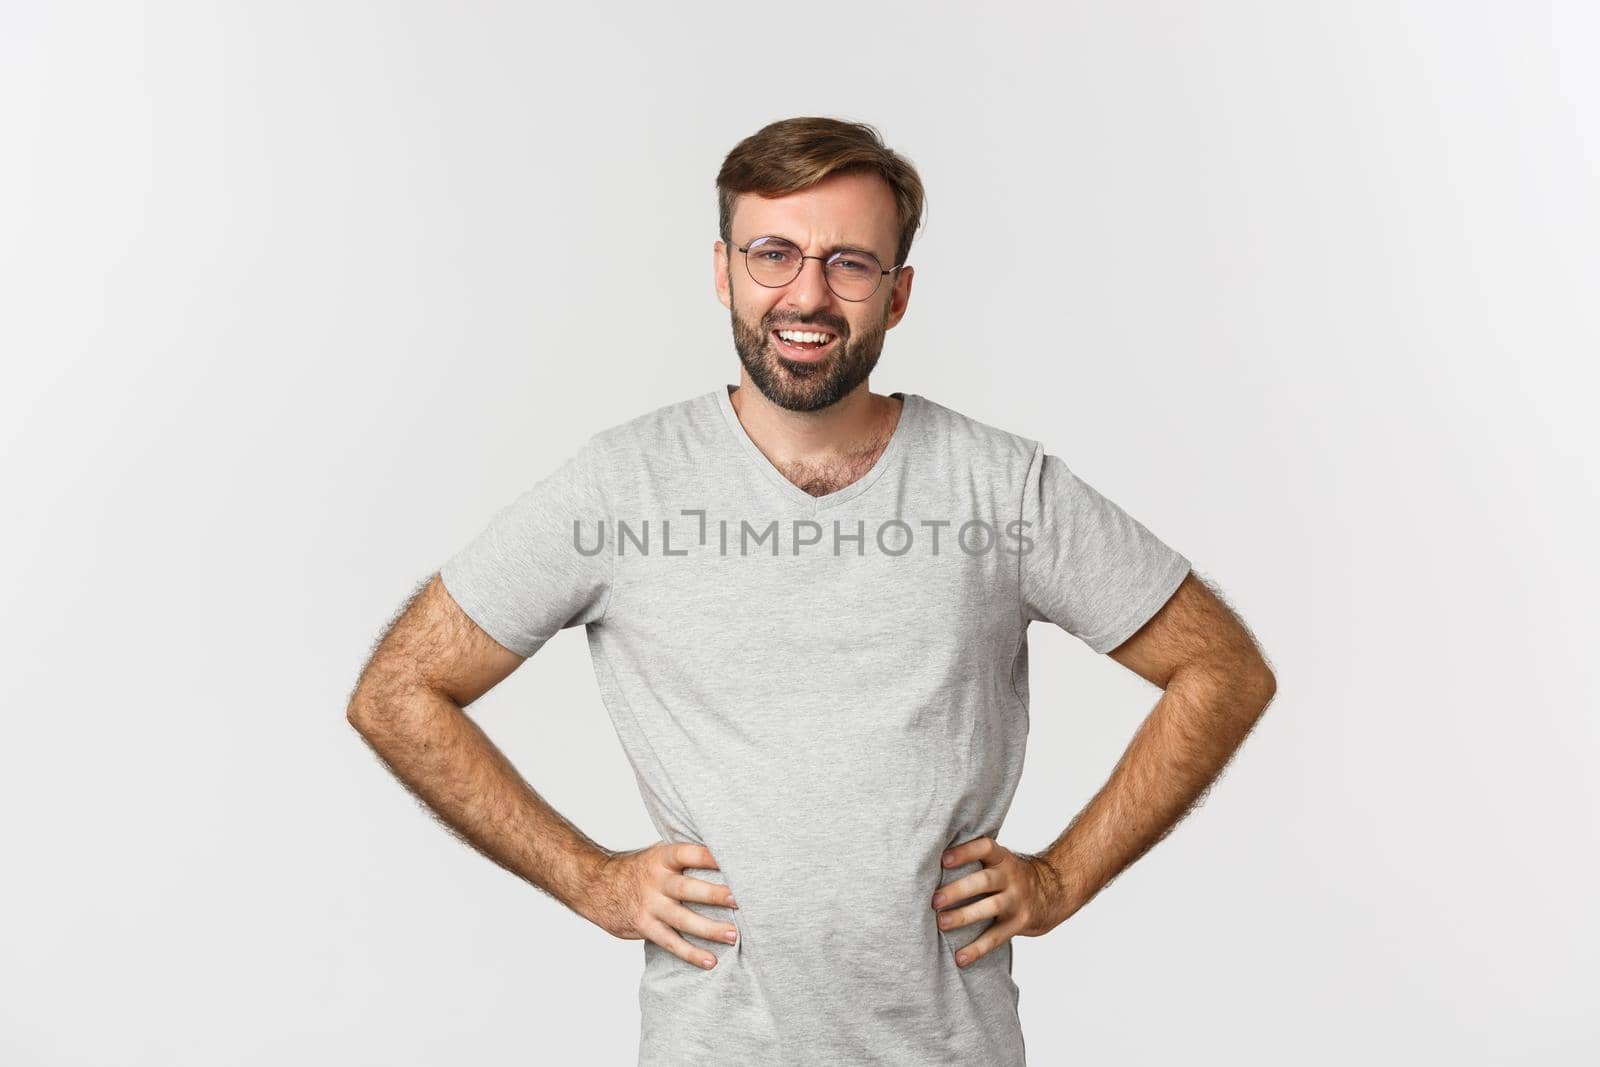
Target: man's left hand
[1024, 895]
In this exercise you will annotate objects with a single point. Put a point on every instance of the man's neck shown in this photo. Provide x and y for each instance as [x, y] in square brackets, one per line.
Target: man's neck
[861, 422]
[819, 451]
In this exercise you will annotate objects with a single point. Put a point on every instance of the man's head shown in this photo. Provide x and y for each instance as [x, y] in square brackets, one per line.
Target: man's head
[824, 185]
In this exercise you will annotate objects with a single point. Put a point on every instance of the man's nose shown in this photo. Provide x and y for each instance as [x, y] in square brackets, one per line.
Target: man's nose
[810, 288]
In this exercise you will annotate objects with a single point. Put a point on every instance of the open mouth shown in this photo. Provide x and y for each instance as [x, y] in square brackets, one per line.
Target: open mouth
[804, 350]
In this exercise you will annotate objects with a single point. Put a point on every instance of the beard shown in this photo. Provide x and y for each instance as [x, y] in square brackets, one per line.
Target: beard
[807, 386]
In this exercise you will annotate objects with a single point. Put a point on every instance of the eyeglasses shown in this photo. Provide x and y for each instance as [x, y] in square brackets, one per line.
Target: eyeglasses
[852, 274]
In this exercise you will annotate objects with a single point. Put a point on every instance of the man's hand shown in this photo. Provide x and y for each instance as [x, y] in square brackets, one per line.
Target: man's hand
[1023, 896]
[639, 896]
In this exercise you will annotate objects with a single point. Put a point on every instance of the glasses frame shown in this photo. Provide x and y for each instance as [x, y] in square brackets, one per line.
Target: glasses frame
[825, 260]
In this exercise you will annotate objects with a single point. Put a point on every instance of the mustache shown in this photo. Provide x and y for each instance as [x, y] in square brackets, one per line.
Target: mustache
[834, 328]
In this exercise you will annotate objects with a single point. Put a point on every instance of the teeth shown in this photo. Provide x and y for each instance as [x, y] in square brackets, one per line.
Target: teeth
[804, 335]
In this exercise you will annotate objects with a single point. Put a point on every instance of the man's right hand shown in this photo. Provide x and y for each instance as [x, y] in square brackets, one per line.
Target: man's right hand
[639, 895]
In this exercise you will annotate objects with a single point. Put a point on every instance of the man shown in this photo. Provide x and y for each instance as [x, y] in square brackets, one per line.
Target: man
[807, 606]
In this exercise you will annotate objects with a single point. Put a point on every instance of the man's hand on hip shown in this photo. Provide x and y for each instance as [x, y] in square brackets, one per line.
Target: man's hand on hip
[639, 897]
[1022, 894]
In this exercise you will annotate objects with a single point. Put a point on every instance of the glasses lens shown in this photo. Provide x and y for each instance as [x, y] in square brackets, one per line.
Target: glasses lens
[773, 261]
[854, 275]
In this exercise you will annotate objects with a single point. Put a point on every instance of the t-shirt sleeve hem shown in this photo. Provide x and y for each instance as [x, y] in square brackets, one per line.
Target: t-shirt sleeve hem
[1160, 593]
[478, 613]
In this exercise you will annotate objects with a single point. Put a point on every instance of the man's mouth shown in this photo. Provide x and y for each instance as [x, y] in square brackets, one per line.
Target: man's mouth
[804, 345]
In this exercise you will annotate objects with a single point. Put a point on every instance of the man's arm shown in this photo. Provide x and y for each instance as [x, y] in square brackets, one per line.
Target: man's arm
[1217, 685]
[433, 662]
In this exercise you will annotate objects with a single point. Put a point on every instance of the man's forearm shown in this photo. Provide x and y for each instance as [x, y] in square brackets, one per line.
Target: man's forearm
[449, 763]
[1179, 751]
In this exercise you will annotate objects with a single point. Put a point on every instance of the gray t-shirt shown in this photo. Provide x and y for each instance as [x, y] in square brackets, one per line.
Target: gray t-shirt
[827, 692]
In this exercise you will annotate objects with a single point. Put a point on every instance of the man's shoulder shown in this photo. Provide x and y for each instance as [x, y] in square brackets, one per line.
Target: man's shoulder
[672, 424]
[669, 434]
[958, 432]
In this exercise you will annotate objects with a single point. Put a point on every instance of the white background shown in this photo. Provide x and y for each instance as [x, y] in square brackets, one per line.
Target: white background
[294, 295]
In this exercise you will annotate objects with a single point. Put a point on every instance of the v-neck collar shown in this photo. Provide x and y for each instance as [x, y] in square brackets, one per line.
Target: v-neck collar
[909, 410]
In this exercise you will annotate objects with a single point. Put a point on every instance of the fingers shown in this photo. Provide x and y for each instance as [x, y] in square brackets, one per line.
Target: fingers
[684, 887]
[987, 908]
[680, 886]
[686, 854]
[668, 938]
[992, 879]
[988, 941]
[967, 851]
[988, 880]
[690, 921]
[669, 918]
[1009, 900]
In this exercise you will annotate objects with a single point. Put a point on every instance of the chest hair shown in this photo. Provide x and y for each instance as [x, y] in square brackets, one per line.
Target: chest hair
[831, 475]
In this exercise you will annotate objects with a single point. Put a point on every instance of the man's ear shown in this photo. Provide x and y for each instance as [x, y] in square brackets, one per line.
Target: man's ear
[900, 296]
[719, 268]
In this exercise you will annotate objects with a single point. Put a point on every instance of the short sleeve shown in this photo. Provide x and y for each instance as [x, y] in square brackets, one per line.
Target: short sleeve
[1093, 569]
[542, 563]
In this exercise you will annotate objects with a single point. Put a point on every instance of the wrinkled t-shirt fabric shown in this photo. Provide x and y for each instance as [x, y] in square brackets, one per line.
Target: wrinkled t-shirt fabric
[827, 692]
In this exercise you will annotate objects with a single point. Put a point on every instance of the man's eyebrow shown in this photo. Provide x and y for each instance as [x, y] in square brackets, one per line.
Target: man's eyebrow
[826, 251]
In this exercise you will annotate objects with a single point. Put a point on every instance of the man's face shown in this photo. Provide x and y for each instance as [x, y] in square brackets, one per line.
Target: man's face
[841, 211]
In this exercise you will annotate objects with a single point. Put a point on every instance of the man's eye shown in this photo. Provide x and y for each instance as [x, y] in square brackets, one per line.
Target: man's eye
[852, 266]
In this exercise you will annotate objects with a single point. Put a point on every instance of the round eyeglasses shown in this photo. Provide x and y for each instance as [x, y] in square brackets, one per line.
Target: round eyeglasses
[852, 274]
